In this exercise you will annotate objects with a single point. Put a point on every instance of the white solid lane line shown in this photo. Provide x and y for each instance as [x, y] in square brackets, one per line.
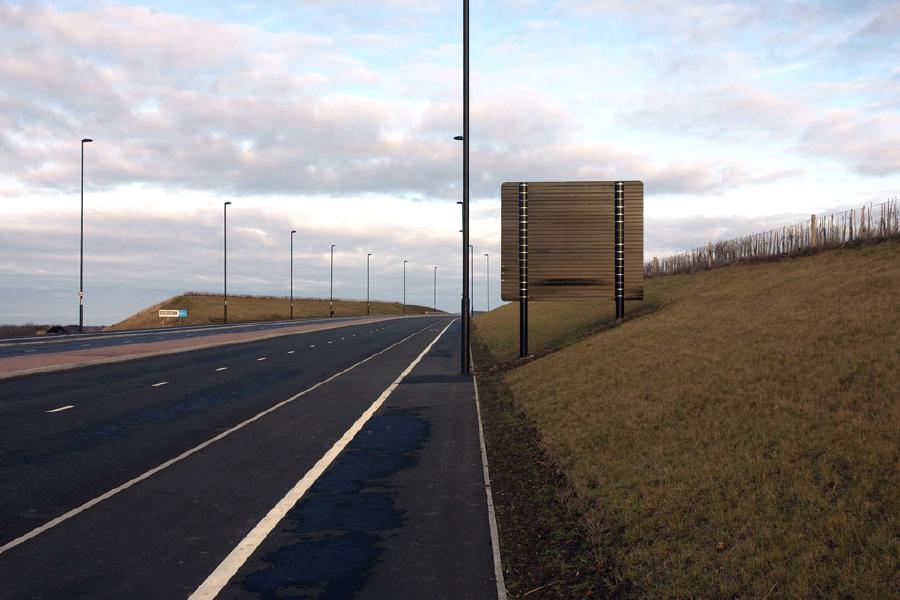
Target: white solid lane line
[160, 383]
[222, 369]
[146, 475]
[61, 408]
[219, 578]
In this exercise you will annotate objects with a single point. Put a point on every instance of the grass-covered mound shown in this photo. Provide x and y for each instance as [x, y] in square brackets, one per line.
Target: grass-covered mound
[206, 309]
[743, 438]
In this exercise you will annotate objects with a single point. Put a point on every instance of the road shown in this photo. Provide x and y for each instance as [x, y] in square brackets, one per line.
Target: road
[325, 464]
[67, 343]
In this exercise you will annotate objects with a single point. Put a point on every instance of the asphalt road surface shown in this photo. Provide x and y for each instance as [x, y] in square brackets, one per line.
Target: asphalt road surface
[68, 343]
[327, 464]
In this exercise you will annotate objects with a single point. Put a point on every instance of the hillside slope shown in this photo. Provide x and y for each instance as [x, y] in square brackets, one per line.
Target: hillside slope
[741, 439]
[207, 309]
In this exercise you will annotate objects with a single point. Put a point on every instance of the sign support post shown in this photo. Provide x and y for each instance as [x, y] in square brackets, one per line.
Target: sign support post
[523, 270]
[620, 250]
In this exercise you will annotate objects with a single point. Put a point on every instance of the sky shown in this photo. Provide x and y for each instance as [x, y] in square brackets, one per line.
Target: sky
[335, 118]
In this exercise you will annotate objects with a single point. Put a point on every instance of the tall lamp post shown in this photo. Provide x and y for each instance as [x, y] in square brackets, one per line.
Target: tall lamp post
[225, 262]
[331, 286]
[464, 337]
[368, 256]
[487, 279]
[293, 231]
[81, 252]
[434, 303]
[404, 287]
[471, 282]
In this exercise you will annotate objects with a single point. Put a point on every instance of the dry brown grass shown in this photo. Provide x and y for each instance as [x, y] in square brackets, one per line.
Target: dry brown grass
[552, 325]
[744, 438]
[207, 309]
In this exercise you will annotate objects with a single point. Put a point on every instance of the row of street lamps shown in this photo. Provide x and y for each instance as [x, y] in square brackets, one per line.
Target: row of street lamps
[293, 232]
[331, 276]
[466, 297]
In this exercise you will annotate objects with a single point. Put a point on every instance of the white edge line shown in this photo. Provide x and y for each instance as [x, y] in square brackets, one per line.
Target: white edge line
[219, 578]
[146, 475]
[61, 408]
[492, 517]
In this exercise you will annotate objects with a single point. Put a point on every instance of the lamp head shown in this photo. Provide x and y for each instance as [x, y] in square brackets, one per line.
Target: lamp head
[227, 203]
[293, 231]
[458, 138]
[86, 140]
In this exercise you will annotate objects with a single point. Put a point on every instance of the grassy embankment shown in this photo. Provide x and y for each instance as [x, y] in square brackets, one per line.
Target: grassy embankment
[743, 439]
[207, 309]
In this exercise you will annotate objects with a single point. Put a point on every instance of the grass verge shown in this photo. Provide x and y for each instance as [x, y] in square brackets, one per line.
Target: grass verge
[741, 440]
[206, 309]
[545, 550]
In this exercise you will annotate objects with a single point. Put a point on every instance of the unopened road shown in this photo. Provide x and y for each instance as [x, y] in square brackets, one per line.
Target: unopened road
[328, 464]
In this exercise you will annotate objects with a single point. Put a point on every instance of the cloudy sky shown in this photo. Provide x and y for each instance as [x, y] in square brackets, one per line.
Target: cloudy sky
[336, 118]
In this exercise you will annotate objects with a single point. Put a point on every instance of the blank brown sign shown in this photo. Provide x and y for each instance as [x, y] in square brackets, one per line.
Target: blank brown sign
[571, 238]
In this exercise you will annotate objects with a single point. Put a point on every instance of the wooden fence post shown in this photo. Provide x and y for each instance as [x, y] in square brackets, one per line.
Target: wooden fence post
[813, 234]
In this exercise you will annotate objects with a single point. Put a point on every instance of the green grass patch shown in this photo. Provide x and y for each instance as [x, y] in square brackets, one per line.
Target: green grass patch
[743, 439]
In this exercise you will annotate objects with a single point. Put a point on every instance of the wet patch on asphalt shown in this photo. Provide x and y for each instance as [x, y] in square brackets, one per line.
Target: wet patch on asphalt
[327, 544]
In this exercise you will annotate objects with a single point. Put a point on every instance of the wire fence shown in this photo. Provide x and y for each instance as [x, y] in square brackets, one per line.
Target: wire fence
[870, 223]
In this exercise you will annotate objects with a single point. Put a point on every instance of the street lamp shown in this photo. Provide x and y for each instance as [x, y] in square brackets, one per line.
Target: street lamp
[465, 329]
[472, 281]
[368, 256]
[404, 287]
[225, 261]
[331, 287]
[81, 253]
[293, 231]
[487, 279]
[434, 304]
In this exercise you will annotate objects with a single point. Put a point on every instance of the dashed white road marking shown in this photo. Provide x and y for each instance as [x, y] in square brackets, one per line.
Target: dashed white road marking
[312, 345]
[291, 351]
[260, 358]
[219, 578]
[147, 474]
[222, 369]
[160, 383]
[84, 345]
[329, 341]
[61, 408]
[27, 351]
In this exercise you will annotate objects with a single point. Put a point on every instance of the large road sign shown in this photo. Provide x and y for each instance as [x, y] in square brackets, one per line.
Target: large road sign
[571, 240]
